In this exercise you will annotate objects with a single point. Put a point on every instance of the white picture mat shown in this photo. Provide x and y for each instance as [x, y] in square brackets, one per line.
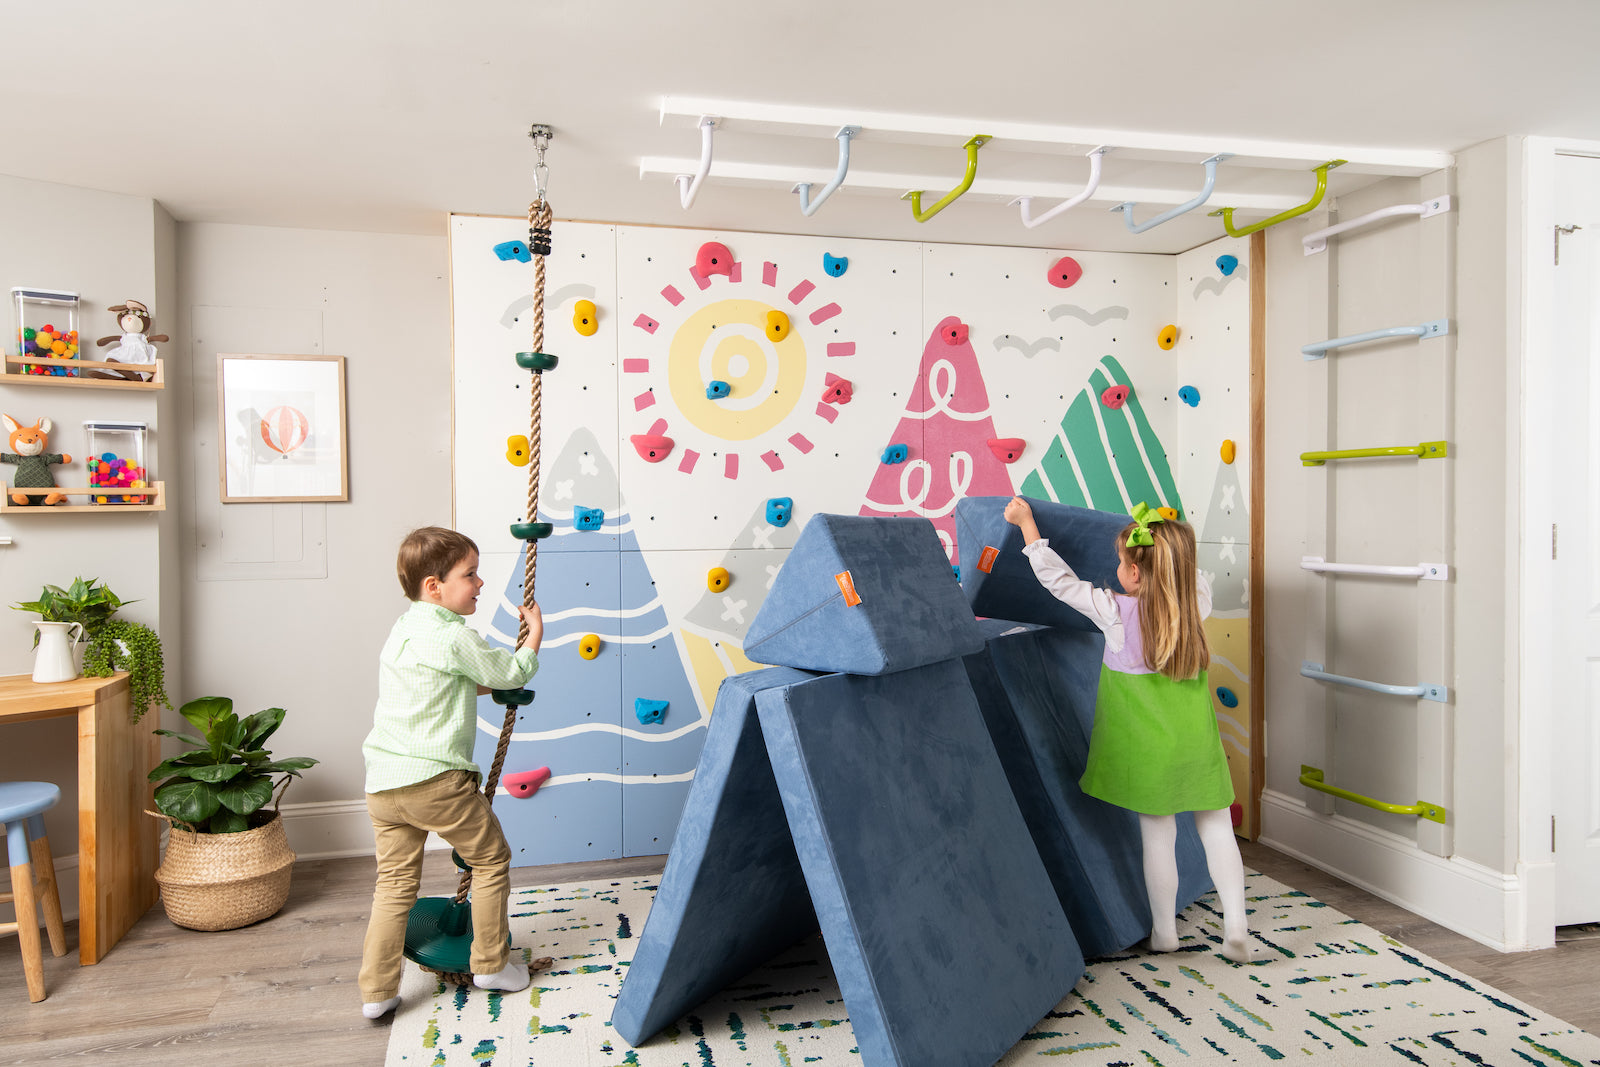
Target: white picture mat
[308, 460]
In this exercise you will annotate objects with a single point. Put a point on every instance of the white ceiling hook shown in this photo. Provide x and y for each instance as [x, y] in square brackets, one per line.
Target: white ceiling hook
[808, 206]
[1094, 183]
[689, 184]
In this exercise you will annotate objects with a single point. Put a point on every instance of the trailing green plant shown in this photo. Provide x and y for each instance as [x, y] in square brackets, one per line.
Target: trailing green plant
[121, 644]
[85, 602]
[223, 782]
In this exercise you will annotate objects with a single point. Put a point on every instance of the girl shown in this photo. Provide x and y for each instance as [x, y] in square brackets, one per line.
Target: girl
[1155, 748]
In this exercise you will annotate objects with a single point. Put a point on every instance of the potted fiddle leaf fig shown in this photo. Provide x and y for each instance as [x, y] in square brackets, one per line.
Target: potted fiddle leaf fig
[228, 861]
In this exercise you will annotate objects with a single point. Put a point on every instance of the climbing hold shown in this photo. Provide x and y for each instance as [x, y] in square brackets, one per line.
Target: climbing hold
[779, 509]
[589, 646]
[1007, 449]
[954, 331]
[956, 570]
[1227, 450]
[895, 454]
[838, 390]
[1170, 514]
[777, 325]
[1064, 273]
[717, 579]
[531, 531]
[1189, 395]
[1227, 264]
[716, 389]
[714, 258]
[588, 519]
[517, 450]
[585, 318]
[524, 784]
[835, 265]
[652, 447]
[1115, 396]
[1227, 697]
[1168, 336]
[1236, 812]
[513, 250]
[649, 711]
[511, 698]
[538, 362]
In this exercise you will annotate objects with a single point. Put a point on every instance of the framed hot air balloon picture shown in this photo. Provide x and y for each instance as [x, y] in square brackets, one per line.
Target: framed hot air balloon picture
[282, 428]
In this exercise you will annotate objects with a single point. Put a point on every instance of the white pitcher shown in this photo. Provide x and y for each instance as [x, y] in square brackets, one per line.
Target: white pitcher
[53, 660]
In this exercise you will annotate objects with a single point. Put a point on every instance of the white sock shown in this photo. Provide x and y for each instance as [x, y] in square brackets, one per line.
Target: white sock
[511, 978]
[1158, 838]
[1227, 872]
[378, 1009]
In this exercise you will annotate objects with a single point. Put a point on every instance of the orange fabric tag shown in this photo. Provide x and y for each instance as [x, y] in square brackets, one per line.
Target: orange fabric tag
[987, 557]
[847, 586]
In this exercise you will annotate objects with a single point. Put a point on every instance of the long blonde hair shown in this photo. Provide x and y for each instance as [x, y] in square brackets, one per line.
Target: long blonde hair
[1169, 603]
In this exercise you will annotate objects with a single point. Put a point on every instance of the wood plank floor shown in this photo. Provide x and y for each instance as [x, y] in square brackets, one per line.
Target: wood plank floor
[284, 991]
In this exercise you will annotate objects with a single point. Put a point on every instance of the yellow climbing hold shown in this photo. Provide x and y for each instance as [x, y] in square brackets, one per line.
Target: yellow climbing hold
[1168, 336]
[777, 325]
[517, 450]
[1227, 450]
[1170, 514]
[585, 318]
[589, 646]
[717, 579]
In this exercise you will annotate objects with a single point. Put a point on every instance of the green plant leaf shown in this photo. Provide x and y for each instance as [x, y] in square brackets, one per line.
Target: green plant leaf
[189, 738]
[247, 794]
[293, 765]
[228, 822]
[206, 710]
[184, 767]
[262, 725]
[188, 800]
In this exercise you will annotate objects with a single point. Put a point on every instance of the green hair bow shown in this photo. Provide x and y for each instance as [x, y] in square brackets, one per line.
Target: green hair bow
[1143, 516]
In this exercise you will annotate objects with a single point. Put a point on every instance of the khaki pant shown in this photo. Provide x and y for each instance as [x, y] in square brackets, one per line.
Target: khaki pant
[450, 805]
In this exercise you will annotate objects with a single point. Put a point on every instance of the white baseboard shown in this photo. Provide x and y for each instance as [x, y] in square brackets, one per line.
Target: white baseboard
[334, 829]
[1469, 898]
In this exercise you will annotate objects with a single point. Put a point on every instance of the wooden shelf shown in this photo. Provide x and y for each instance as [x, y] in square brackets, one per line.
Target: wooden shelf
[156, 490]
[8, 376]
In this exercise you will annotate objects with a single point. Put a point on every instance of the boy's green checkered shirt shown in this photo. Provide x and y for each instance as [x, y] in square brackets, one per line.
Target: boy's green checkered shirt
[428, 678]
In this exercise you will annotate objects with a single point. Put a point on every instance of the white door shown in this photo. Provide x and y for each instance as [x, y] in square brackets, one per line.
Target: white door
[1575, 409]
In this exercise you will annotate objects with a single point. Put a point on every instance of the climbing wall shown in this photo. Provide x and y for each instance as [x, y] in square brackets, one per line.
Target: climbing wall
[861, 377]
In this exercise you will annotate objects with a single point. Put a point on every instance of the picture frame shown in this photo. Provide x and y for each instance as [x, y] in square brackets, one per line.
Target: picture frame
[282, 429]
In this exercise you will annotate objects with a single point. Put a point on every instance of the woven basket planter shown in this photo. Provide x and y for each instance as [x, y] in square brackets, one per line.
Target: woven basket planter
[224, 881]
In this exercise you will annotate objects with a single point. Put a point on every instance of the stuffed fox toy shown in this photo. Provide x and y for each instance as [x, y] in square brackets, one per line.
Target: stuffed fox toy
[32, 461]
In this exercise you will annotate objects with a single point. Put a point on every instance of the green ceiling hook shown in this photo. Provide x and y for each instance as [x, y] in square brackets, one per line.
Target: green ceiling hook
[915, 196]
[1282, 216]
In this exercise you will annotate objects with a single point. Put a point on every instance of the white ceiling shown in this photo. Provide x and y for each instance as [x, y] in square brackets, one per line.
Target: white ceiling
[368, 115]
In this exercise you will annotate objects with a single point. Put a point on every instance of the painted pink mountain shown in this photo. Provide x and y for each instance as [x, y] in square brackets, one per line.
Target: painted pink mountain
[946, 430]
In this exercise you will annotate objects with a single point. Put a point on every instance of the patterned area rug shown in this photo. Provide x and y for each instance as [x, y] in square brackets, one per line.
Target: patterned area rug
[1323, 987]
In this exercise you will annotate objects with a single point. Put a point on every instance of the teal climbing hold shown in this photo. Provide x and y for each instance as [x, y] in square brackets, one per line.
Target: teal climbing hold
[649, 711]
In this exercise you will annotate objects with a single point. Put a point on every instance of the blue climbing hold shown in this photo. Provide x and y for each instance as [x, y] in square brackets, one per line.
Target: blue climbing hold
[779, 509]
[716, 389]
[957, 572]
[588, 518]
[513, 250]
[895, 454]
[1189, 395]
[1227, 697]
[835, 265]
[1227, 264]
[649, 711]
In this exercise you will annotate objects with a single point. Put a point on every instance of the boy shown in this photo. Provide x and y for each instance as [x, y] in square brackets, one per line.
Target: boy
[420, 774]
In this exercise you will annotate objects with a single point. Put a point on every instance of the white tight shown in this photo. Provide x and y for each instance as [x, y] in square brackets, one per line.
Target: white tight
[1159, 837]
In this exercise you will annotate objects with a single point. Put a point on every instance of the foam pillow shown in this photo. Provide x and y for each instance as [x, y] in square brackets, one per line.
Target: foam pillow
[861, 595]
[997, 578]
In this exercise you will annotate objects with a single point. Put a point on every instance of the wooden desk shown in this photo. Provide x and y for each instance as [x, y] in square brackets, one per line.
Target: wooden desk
[118, 844]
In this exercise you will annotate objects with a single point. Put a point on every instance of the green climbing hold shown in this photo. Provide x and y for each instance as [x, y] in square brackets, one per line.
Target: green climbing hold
[511, 698]
[531, 531]
[538, 362]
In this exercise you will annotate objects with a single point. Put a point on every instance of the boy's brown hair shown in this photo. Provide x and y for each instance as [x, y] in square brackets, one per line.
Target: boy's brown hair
[431, 550]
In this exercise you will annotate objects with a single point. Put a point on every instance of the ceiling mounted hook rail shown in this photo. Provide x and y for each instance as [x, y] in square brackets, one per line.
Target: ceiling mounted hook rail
[689, 184]
[1317, 241]
[915, 196]
[1095, 158]
[808, 206]
[1282, 216]
[1167, 216]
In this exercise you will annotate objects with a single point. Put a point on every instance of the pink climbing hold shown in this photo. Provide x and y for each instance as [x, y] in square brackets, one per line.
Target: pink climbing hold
[655, 446]
[524, 784]
[953, 331]
[838, 390]
[1115, 396]
[1007, 449]
[1064, 273]
[714, 258]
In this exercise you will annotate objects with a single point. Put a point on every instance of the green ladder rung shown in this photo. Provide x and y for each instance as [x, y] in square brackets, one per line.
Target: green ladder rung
[1311, 778]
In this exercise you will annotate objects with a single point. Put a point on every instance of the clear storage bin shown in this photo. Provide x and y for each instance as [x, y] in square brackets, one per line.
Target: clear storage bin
[47, 326]
[115, 458]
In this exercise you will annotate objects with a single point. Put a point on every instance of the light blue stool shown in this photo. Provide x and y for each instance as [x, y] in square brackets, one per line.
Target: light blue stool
[33, 876]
